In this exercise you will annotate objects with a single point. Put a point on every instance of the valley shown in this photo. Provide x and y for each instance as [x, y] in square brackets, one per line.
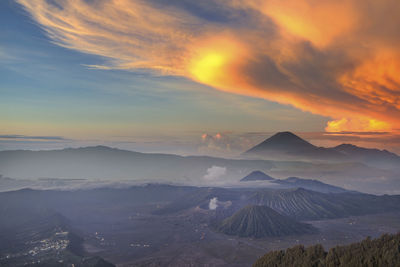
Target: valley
[164, 225]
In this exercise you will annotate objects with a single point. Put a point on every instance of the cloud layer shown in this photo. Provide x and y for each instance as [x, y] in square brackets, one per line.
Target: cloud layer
[337, 58]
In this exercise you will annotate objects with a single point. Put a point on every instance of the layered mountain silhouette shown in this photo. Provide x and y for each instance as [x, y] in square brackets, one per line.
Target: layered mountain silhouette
[257, 176]
[261, 221]
[286, 145]
[285, 153]
[101, 162]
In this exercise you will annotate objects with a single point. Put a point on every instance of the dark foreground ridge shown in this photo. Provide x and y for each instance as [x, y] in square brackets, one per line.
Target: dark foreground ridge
[383, 251]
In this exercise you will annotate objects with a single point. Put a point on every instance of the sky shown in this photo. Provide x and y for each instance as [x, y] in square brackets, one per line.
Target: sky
[198, 77]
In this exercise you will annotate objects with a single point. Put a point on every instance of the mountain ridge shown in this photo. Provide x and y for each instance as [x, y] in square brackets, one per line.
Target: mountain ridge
[290, 146]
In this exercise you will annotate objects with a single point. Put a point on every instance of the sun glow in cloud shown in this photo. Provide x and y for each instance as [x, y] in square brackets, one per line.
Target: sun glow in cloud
[337, 58]
[206, 68]
[213, 59]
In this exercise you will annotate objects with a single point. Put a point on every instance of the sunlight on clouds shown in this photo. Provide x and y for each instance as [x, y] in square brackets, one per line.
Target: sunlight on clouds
[205, 69]
[338, 59]
[376, 79]
[212, 60]
[317, 21]
[129, 34]
[357, 125]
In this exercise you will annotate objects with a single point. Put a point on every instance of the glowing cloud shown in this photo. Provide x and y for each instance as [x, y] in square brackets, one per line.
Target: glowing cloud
[206, 68]
[337, 58]
[213, 59]
[357, 125]
[317, 21]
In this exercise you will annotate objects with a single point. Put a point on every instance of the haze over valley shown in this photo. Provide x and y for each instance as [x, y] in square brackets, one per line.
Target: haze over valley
[282, 156]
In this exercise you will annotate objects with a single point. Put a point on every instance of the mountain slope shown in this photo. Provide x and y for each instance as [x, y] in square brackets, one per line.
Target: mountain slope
[257, 176]
[304, 204]
[261, 221]
[297, 203]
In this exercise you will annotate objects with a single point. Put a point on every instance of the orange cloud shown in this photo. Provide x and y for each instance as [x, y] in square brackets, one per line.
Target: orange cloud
[376, 79]
[357, 125]
[320, 22]
[337, 58]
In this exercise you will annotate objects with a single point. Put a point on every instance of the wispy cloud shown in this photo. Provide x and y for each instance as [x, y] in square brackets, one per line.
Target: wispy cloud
[30, 137]
[337, 58]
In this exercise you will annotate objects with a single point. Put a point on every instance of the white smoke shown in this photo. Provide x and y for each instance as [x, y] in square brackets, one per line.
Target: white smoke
[215, 172]
[213, 205]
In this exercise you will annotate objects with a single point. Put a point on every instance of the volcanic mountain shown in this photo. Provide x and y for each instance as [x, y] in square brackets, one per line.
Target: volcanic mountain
[257, 176]
[283, 141]
[288, 146]
[261, 221]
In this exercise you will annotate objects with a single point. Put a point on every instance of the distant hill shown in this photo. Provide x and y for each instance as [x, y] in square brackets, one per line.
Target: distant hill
[100, 162]
[286, 146]
[310, 184]
[111, 164]
[261, 221]
[257, 176]
[371, 156]
[383, 251]
[294, 182]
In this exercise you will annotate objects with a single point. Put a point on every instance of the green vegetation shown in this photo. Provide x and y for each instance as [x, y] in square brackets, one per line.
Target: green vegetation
[383, 251]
